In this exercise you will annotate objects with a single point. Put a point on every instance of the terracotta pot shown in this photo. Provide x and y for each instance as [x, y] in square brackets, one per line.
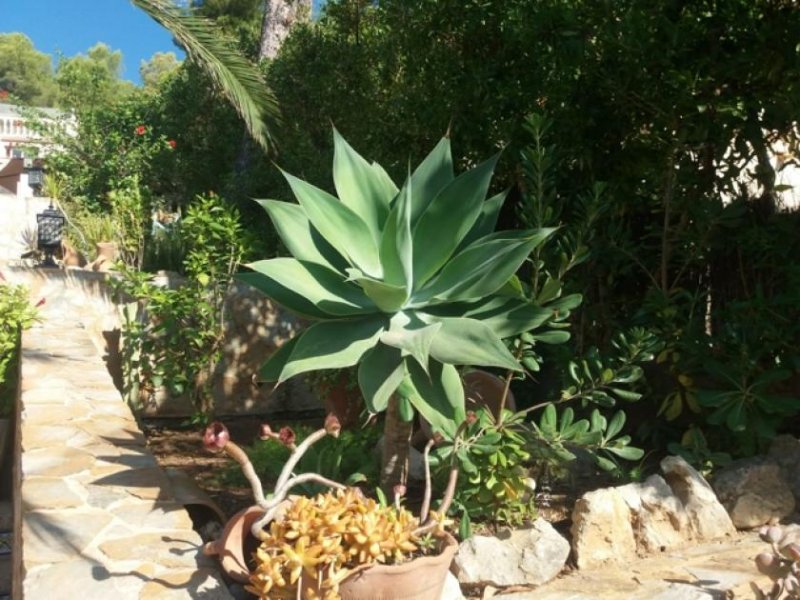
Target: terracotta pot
[235, 544]
[419, 579]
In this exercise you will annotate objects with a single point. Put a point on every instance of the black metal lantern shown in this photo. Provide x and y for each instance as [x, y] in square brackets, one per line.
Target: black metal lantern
[50, 228]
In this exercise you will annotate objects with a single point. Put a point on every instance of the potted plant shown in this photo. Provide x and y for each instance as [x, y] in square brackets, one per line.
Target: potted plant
[404, 284]
[336, 545]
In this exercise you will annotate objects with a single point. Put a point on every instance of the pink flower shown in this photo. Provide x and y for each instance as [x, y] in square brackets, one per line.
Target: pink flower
[471, 417]
[216, 436]
[332, 425]
[140, 130]
[172, 144]
[41, 302]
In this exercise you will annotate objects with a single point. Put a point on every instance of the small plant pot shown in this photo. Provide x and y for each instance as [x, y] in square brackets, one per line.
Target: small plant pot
[422, 578]
[235, 544]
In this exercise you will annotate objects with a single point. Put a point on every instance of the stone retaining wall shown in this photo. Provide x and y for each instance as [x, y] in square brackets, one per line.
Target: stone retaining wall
[95, 517]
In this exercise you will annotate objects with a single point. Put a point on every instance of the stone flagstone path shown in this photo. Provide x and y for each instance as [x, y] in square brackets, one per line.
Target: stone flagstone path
[98, 517]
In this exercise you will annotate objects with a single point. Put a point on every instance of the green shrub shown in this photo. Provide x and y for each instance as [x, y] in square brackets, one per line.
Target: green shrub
[16, 314]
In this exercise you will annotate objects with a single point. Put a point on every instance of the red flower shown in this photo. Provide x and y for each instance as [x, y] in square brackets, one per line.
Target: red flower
[286, 436]
[140, 130]
[3, 94]
[172, 144]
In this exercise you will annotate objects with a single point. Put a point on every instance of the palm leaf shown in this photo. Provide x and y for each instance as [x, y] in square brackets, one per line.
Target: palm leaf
[237, 78]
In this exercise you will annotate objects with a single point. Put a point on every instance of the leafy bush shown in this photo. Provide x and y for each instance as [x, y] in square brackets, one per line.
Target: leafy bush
[350, 459]
[16, 314]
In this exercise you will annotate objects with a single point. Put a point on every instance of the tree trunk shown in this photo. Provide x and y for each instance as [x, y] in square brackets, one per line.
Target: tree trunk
[279, 16]
[396, 440]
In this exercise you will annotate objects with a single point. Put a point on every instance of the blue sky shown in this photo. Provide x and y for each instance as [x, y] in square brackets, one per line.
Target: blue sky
[73, 26]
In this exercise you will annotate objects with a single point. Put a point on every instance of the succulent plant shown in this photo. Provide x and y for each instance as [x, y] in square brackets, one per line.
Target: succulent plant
[309, 545]
[780, 565]
[408, 283]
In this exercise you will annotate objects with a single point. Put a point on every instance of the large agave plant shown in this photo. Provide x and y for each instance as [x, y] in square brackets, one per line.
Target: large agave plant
[407, 283]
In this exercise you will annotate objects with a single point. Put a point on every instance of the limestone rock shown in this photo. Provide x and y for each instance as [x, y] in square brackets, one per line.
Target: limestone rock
[601, 529]
[708, 519]
[785, 452]
[451, 589]
[529, 556]
[659, 516]
[754, 493]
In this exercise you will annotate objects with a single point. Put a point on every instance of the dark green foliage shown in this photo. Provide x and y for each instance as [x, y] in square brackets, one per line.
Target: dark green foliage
[16, 314]
[350, 459]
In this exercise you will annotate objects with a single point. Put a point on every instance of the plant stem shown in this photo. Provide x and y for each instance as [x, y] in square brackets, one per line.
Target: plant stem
[426, 499]
[296, 455]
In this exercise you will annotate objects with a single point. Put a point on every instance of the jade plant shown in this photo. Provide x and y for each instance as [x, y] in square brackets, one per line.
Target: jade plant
[308, 546]
[408, 283]
[781, 564]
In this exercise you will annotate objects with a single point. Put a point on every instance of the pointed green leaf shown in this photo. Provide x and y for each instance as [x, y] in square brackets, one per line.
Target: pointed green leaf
[299, 237]
[615, 425]
[388, 298]
[487, 220]
[470, 342]
[284, 296]
[396, 247]
[448, 219]
[325, 289]
[507, 317]
[380, 372]
[627, 452]
[333, 345]
[359, 186]
[440, 397]
[341, 227]
[483, 267]
[271, 370]
[412, 339]
[432, 174]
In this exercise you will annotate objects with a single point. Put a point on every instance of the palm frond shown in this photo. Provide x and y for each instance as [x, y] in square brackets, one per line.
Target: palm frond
[237, 78]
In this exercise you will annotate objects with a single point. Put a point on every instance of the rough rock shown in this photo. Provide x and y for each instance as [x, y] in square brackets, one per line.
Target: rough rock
[451, 589]
[707, 518]
[754, 493]
[659, 521]
[785, 452]
[529, 556]
[601, 529]
[613, 525]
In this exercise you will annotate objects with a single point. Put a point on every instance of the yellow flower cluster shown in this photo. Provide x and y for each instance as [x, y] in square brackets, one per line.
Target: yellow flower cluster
[326, 537]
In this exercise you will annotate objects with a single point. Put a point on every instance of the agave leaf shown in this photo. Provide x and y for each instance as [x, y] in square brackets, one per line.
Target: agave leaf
[470, 342]
[505, 316]
[396, 248]
[325, 289]
[341, 227]
[413, 338]
[432, 174]
[299, 237]
[482, 268]
[440, 396]
[333, 345]
[380, 372]
[286, 297]
[271, 370]
[448, 219]
[487, 220]
[359, 186]
[388, 298]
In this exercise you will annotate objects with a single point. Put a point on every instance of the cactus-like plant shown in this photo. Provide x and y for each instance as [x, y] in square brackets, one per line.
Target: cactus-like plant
[407, 283]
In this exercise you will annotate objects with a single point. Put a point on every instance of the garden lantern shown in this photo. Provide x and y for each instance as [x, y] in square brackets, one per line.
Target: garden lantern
[50, 227]
[35, 177]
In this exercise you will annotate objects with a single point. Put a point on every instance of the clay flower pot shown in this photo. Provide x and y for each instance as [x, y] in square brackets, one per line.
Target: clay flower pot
[418, 579]
[235, 544]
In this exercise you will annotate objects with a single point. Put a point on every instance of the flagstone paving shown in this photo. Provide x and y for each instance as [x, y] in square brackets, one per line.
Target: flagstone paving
[96, 516]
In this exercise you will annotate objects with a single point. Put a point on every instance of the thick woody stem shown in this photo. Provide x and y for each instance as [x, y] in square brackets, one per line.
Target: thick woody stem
[237, 454]
[295, 457]
[426, 499]
[272, 505]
